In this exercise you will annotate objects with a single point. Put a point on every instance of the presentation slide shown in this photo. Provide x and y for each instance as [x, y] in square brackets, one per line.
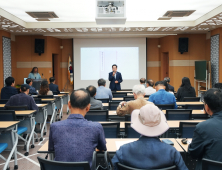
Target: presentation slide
[93, 59]
[101, 59]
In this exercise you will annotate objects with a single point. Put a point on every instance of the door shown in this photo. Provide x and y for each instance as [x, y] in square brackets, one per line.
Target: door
[164, 65]
[55, 67]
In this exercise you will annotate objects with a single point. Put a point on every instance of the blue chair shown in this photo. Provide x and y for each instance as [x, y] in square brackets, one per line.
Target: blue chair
[178, 114]
[45, 96]
[38, 100]
[113, 105]
[3, 146]
[165, 106]
[128, 98]
[208, 164]
[3, 101]
[97, 115]
[104, 100]
[119, 94]
[186, 129]
[124, 167]
[55, 93]
[130, 132]
[111, 129]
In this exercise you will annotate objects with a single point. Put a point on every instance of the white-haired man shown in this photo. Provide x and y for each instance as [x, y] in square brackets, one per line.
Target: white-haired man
[127, 107]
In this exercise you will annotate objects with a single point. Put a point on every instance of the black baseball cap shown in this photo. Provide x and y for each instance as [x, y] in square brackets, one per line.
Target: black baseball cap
[25, 87]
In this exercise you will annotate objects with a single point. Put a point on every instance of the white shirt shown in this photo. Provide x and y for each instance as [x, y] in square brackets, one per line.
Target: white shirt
[150, 90]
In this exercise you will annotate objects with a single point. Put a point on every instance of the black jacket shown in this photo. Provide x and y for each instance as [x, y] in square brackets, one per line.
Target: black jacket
[207, 140]
[182, 92]
[171, 88]
[8, 91]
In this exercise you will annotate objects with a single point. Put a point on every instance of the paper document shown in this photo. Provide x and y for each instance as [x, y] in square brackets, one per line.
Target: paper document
[189, 141]
[120, 143]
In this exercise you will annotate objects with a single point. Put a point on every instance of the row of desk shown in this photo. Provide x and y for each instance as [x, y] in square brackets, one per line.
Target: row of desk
[28, 118]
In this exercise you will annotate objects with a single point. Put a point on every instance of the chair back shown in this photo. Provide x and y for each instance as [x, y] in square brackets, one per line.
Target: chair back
[108, 161]
[104, 100]
[194, 106]
[178, 114]
[128, 98]
[127, 117]
[57, 165]
[97, 115]
[111, 129]
[119, 94]
[165, 106]
[98, 108]
[7, 115]
[113, 105]
[130, 132]
[16, 108]
[186, 129]
[146, 96]
[124, 167]
[38, 100]
[191, 99]
[45, 96]
[208, 164]
[55, 93]
[3, 101]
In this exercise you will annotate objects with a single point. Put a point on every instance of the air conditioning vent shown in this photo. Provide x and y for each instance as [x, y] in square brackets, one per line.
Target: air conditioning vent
[178, 13]
[43, 19]
[164, 18]
[42, 14]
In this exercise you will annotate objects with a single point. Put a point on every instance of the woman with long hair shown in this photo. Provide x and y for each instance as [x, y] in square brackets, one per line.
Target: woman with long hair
[185, 90]
[44, 88]
[34, 74]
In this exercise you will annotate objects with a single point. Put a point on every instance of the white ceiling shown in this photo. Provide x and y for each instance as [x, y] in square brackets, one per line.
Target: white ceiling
[84, 10]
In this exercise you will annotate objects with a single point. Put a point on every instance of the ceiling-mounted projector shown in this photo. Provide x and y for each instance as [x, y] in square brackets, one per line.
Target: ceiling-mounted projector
[110, 12]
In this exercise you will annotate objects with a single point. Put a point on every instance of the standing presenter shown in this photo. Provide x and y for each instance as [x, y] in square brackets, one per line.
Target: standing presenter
[115, 79]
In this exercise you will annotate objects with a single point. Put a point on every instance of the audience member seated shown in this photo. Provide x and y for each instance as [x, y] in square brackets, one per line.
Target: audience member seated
[75, 138]
[207, 137]
[171, 88]
[95, 104]
[127, 107]
[162, 96]
[148, 152]
[167, 87]
[150, 90]
[143, 82]
[44, 89]
[102, 92]
[32, 90]
[9, 90]
[185, 90]
[52, 86]
[218, 85]
[23, 99]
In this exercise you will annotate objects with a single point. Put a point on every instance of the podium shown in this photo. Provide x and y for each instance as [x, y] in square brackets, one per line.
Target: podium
[37, 83]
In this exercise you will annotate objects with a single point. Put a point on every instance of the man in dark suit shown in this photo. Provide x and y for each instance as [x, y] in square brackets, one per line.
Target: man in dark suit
[52, 86]
[171, 88]
[115, 79]
[9, 90]
[207, 136]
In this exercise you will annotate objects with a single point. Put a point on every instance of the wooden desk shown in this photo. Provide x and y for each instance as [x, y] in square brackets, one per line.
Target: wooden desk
[105, 104]
[185, 103]
[129, 94]
[111, 144]
[48, 100]
[184, 146]
[41, 105]
[193, 111]
[7, 124]
[63, 92]
[24, 112]
[117, 98]
[10, 138]
[112, 112]
[2, 105]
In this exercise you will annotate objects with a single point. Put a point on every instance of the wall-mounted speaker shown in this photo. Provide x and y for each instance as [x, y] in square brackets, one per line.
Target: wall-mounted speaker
[183, 45]
[39, 46]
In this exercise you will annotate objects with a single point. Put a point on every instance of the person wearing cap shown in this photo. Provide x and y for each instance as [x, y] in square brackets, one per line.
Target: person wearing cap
[127, 107]
[23, 99]
[162, 96]
[148, 152]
